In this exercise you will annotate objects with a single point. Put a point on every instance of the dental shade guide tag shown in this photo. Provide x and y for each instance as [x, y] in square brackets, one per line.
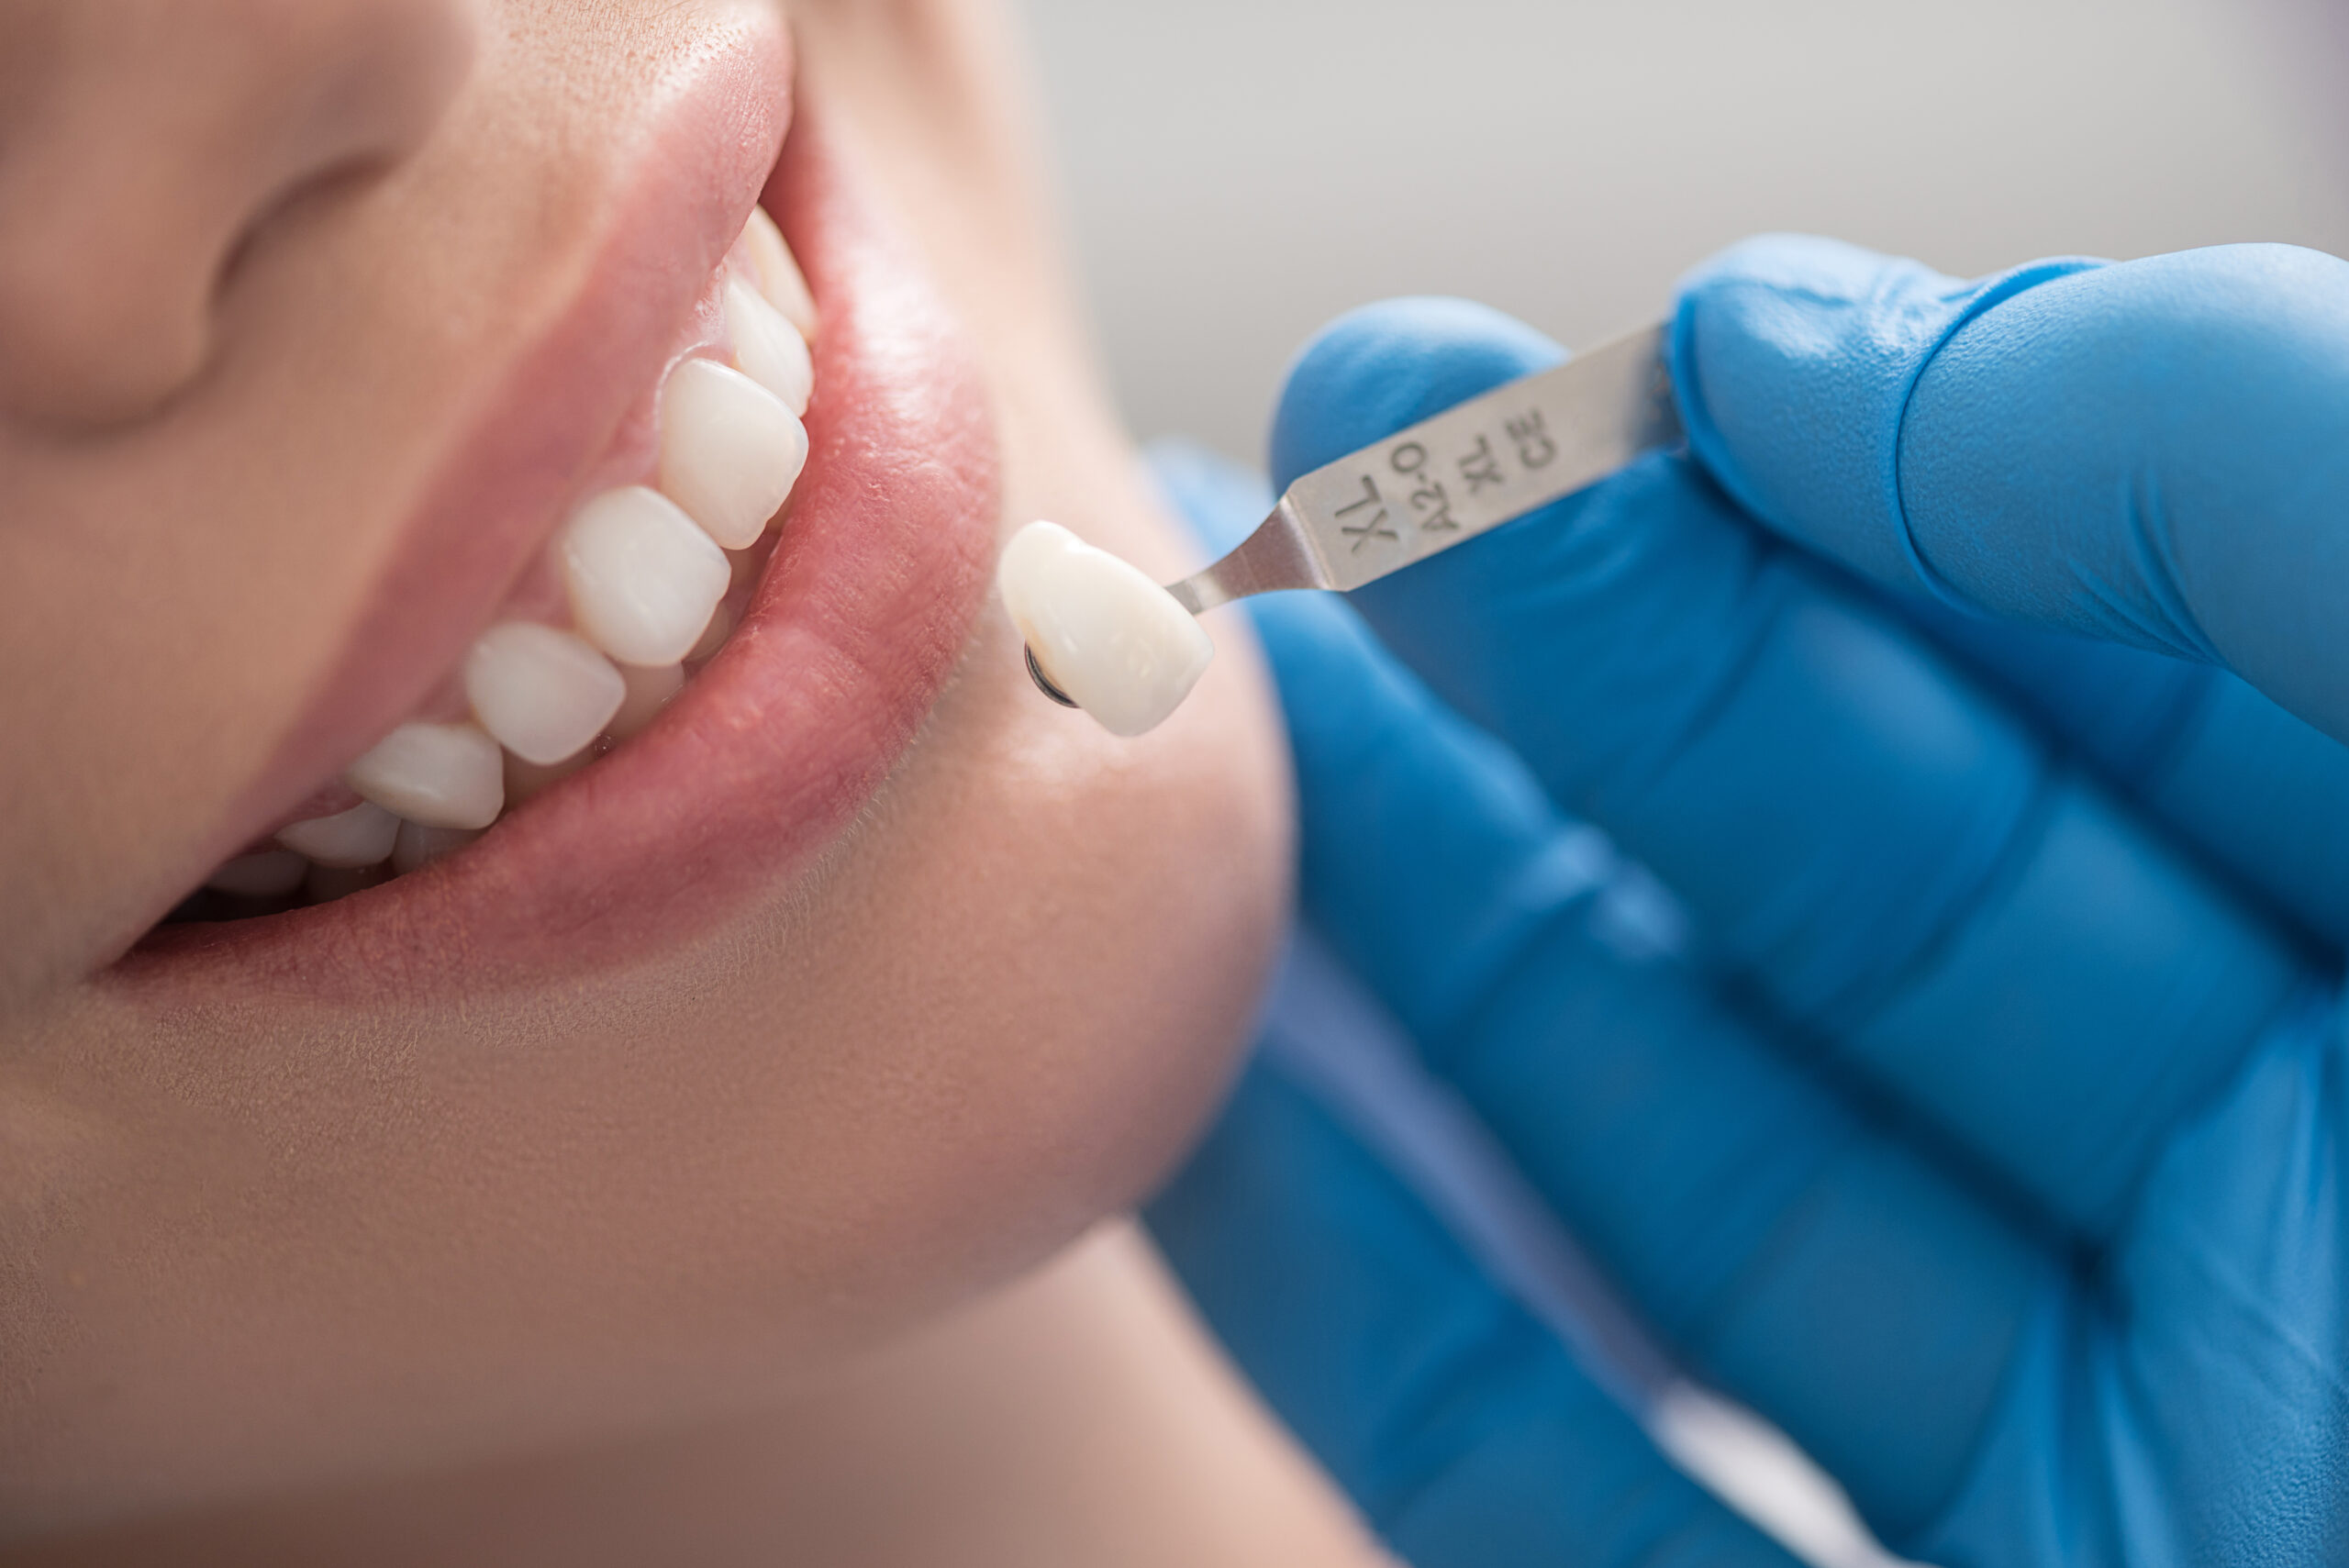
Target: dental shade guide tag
[1462, 472]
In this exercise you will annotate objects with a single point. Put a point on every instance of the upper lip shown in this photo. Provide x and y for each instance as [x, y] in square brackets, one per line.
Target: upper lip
[850, 635]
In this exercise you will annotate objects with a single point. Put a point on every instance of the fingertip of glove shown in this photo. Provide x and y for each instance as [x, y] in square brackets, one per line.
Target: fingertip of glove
[1809, 266]
[1376, 369]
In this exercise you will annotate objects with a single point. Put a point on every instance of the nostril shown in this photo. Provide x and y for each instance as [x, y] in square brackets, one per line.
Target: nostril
[99, 334]
[164, 144]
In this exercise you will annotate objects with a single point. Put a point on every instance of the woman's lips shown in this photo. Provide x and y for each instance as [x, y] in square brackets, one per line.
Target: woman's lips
[768, 753]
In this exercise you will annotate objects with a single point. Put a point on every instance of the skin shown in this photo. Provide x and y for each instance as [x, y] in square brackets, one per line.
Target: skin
[277, 1241]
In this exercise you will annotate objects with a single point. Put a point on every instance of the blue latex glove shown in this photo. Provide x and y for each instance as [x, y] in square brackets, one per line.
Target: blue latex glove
[1992, 1141]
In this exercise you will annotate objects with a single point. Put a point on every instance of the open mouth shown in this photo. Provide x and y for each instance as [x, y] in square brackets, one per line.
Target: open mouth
[730, 613]
[635, 594]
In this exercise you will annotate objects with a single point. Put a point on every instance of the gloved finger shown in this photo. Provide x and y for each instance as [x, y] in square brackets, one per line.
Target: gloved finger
[2256, 791]
[1890, 855]
[1832, 1279]
[2156, 452]
[1458, 1425]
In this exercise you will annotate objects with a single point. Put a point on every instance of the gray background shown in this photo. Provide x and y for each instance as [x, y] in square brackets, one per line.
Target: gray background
[1238, 171]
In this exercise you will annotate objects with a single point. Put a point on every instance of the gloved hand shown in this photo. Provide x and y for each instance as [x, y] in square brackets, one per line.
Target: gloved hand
[1991, 1137]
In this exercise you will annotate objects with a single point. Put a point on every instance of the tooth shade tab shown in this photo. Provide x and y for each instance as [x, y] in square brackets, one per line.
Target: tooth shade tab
[1101, 629]
[541, 693]
[643, 578]
[768, 348]
[649, 691]
[418, 846]
[730, 451]
[359, 837]
[272, 873]
[441, 775]
[780, 279]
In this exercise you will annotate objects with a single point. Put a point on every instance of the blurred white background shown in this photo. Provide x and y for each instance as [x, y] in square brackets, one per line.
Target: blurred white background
[1238, 171]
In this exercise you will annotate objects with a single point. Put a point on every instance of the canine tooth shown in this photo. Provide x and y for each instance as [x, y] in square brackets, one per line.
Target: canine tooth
[359, 837]
[541, 693]
[326, 884]
[649, 691]
[642, 575]
[780, 279]
[1105, 633]
[730, 451]
[767, 347]
[443, 775]
[270, 873]
[418, 846]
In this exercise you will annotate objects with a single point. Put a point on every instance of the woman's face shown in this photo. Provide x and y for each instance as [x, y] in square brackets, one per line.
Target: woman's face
[859, 979]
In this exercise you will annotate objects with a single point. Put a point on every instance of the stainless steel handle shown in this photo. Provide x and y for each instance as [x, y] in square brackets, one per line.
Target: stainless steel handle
[1476, 465]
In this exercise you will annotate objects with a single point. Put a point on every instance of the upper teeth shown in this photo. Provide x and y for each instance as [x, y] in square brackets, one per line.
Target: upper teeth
[778, 273]
[443, 775]
[767, 347]
[643, 579]
[359, 837]
[730, 451]
[543, 694]
[645, 573]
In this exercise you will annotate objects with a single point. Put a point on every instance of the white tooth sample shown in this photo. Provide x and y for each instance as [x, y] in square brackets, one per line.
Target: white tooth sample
[729, 450]
[649, 692]
[272, 873]
[1104, 632]
[780, 279]
[359, 837]
[642, 575]
[541, 693]
[767, 347]
[418, 846]
[443, 775]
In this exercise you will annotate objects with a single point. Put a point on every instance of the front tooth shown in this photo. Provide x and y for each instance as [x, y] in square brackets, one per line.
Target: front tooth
[272, 873]
[359, 837]
[767, 347]
[543, 694]
[418, 846]
[443, 775]
[730, 451]
[780, 278]
[642, 575]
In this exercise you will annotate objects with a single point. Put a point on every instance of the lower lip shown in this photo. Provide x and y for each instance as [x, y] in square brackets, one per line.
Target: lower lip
[766, 756]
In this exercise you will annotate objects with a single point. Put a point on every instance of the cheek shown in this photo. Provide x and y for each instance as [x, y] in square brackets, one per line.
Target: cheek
[1046, 969]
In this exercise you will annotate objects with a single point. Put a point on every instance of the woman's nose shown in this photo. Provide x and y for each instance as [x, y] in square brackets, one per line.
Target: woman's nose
[144, 144]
